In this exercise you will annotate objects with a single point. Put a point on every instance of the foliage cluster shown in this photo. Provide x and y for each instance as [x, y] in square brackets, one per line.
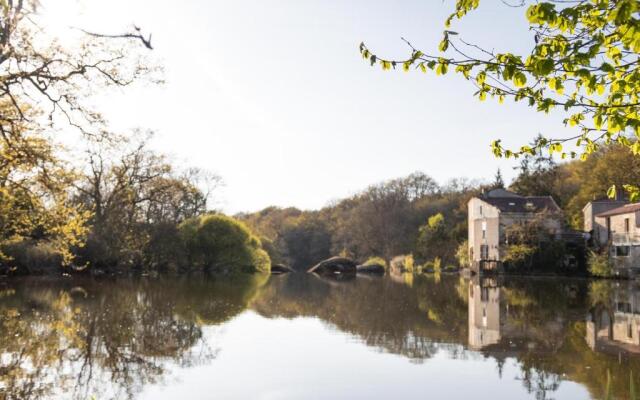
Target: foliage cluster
[532, 244]
[221, 243]
[462, 254]
[376, 261]
[599, 264]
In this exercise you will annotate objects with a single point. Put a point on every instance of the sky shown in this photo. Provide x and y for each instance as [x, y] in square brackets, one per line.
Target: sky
[273, 96]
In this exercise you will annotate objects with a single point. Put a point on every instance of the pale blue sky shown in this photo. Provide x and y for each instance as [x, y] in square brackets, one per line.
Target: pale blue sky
[273, 95]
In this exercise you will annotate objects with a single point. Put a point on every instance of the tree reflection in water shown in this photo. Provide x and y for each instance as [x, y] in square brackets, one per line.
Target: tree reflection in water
[113, 337]
[110, 338]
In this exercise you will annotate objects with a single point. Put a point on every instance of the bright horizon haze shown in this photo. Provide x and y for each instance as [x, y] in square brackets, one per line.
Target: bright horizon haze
[274, 97]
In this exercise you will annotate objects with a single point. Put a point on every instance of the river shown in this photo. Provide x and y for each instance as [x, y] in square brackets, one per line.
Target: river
[299, 336]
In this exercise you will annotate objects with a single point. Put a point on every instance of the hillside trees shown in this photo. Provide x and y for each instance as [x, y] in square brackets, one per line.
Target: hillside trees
[382, 220]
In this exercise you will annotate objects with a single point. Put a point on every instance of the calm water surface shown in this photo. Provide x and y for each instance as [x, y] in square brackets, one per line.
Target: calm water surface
[302, 337]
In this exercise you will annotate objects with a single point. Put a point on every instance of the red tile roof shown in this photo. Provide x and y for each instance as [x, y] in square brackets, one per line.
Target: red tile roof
[628, 208]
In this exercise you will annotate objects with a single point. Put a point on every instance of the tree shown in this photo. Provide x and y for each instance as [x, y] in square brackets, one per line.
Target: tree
[532, 244]
[37, 70]
[613, 164]
[538, 175]
[498, 182]
[221, 243]
[34, 195]
[304, 241]
[435, 241]
[134, 192]
[44, 88]
[583, 61]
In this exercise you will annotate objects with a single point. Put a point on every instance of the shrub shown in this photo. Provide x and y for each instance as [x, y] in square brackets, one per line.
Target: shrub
[408, 263]
[436, 239]
[462, 254]
[223, 244]
[31, 256]
[402, 263]
[165, 250]
[376, 261]
[518, 254]
[437, 265]
[599, 265]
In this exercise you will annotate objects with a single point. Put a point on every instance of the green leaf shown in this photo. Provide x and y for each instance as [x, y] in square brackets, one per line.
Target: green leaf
[442, 69]
[444, 44]
[519, 79]
[481, 77]
[544, 66]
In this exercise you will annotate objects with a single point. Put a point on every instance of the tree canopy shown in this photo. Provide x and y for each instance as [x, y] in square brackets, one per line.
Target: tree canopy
[584, 62]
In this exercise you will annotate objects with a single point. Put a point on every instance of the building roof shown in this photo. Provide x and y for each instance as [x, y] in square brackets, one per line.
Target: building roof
[628, 208]
[500, 193]
[605, 201]
[520, 204]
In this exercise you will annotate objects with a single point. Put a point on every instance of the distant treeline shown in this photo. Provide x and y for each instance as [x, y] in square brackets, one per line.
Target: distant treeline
[385, 220]
[416, 215]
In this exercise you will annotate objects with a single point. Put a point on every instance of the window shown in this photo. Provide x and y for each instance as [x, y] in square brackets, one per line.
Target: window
[480, 210]
[622, 251]
[484, 229]
[623, 307]
[484, 252]
[484, 297]
[626, 225]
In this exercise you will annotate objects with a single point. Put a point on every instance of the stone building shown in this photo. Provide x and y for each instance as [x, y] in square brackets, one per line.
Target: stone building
[492, 212]
[596, 227]
[621, 229]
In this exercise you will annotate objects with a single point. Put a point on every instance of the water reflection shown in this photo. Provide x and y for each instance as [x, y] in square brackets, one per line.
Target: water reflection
[484, 314]
[107, 339]
[117, 338]
[542, 323]
[613, 322]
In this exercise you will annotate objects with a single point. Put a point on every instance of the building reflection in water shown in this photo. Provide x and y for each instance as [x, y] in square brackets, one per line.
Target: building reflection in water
[484, 313]
[613, 322]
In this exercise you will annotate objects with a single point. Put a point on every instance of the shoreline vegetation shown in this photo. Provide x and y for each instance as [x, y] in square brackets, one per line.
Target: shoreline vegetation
[166, 226]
